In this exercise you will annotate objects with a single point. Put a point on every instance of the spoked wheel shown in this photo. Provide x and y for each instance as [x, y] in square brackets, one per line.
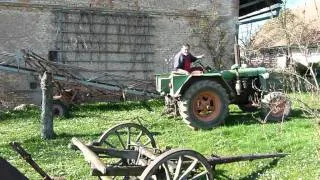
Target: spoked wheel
[124, 137]
[275, 106]
[127, 136]
[119, 178]
[178, 164]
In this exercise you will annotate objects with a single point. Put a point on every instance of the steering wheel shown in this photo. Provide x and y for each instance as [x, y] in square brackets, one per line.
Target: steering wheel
[205, 68]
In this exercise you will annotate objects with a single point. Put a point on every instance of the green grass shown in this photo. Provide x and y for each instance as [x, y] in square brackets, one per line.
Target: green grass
[241, 134]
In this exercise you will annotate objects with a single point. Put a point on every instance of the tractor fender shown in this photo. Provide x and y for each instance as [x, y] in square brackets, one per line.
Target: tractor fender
[217, 78]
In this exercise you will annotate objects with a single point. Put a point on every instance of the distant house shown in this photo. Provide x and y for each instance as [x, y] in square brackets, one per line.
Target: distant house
[283, 56]
[291, 39]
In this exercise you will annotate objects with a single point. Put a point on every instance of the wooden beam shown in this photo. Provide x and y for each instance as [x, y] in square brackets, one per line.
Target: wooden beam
[120, 171]
[90, 156]
[126, 154]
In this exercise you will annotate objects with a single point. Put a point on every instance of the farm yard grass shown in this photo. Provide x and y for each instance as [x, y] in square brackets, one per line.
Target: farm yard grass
[241, 134]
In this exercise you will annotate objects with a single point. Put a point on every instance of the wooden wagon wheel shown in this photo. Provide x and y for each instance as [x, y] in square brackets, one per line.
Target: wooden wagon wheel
[178, 164]
[127, 136]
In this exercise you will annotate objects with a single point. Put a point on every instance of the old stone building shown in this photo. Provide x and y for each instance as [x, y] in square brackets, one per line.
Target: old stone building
[136, 38]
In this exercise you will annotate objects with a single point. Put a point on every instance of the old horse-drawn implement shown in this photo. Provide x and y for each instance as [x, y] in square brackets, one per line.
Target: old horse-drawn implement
[129, 151]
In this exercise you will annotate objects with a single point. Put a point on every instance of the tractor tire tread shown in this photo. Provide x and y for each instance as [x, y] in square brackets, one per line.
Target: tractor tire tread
[184, 104]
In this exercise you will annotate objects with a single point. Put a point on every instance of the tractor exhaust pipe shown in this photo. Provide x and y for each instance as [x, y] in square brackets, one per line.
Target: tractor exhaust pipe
[237, 64]
[236, 52]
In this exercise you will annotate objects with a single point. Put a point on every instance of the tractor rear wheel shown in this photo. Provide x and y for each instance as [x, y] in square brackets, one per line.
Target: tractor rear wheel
[204, 105]
[275, 106]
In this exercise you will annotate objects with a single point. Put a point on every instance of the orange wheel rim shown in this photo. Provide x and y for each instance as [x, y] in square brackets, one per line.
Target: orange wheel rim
[206, 106]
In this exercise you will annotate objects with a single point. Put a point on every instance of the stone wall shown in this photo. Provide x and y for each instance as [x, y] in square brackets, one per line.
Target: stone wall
[18, 89]
[208, 26]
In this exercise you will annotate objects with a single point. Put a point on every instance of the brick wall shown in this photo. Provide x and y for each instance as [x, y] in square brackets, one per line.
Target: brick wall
[204, 24]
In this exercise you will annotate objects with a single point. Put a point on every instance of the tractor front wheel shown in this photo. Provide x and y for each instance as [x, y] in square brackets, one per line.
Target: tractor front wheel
[204, 105]
[275, 106]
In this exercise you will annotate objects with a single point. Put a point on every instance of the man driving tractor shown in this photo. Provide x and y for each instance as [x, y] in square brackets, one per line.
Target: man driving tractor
[183, 60]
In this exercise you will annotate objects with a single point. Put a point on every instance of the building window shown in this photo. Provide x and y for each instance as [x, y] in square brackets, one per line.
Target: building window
[33, 85]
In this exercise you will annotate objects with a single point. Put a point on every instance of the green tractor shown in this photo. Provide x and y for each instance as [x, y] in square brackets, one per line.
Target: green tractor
[202, 97]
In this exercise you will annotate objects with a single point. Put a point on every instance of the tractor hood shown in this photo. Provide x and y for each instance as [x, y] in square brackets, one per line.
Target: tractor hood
[174, 83]
[243, 72]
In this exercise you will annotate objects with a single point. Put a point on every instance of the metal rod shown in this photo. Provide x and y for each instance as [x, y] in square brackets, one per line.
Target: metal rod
[257, 20]
[214, 160]
[275, 8]
[27, 157]
[236, 51]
